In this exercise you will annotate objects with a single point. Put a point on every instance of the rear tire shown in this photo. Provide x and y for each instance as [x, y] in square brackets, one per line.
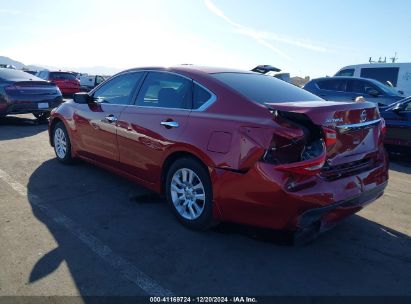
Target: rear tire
[42, 116]
[189, 193]
[62, 144]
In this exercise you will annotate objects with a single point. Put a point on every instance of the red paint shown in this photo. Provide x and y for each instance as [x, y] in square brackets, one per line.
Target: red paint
[230, 138]
[66, 86]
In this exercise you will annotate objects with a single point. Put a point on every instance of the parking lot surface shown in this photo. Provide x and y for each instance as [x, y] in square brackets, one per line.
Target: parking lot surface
[79, 230]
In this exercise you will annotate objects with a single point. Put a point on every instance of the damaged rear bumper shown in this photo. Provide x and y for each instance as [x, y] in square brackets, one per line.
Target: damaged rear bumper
[270, 198]
[318, 220]
[333, 212]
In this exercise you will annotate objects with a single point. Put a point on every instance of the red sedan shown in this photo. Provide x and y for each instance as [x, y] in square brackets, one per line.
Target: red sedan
[229, 145]
[66, 81]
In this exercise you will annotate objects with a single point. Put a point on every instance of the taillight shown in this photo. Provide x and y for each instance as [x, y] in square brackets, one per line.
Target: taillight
[307, 167]
[296, 156]
[330, 137]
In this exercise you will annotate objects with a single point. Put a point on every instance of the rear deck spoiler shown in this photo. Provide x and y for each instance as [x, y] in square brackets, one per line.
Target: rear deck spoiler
[265, 68]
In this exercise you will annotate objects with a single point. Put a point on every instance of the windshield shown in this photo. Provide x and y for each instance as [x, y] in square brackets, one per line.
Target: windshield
[264, 89]
[387, 90]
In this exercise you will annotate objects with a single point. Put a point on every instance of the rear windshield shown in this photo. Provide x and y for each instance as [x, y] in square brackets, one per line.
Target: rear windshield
[263, 88]
[16, 75]
[62, 76]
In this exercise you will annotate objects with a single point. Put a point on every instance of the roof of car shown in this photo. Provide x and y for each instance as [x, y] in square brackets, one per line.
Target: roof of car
[192, 69]
[340, 77]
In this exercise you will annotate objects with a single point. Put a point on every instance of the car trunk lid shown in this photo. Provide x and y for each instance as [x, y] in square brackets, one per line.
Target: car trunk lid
[32, 88]
[350, 130]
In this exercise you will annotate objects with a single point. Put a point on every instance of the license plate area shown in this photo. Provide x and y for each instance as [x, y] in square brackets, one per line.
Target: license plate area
[43, 105]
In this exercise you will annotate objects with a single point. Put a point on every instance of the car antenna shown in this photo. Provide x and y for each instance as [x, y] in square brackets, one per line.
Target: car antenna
[394, 59]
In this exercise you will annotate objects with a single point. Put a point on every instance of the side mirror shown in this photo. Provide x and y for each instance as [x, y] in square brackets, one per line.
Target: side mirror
[401, 92]
[373, 93]
[399, 107]
[82, 98]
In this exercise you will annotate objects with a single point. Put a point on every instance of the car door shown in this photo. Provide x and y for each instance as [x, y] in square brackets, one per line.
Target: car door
[364, 88]
[96, 122]
[399, 126]
[157, 120]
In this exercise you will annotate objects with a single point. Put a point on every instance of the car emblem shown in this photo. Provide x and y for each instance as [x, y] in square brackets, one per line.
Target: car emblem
[334, 120]
[363, 116]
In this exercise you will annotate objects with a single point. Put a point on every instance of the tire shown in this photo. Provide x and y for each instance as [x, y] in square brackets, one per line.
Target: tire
[42, 116]
[62, 144]
[191, 201]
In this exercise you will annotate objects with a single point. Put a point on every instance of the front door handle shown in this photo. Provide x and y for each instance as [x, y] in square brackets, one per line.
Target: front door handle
[170, 124]
[111, 119]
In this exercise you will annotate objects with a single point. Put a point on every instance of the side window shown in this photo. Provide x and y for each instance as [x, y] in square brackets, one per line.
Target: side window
[383, 75]
[200, 96]
[346, 72]
[361, 87]
[43, 75]
[165, 90]
[118, 90]
[99, 79]
[333, 85]
[408, 108]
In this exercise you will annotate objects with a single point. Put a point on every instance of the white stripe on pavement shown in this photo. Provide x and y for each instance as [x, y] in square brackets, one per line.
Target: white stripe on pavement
[128, 270]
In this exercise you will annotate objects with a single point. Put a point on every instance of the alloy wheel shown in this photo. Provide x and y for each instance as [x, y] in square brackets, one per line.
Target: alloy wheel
[187, 193]
[60, 143]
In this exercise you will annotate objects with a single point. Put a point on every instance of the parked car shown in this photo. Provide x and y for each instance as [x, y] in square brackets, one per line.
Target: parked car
[397, 74]
[66, 81]
[398, 121]
[89, 82]
[349, 88]
[22, 93]
[228, 145]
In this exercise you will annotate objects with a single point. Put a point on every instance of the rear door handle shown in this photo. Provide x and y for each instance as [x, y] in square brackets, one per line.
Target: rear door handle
[111, 119]
[170, 124]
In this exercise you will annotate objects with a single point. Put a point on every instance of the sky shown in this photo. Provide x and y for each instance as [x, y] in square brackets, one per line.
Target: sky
[314, 38]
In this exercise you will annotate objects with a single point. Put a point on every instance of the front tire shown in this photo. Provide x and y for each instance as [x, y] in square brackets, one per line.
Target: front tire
[189, 193]
[62, 144]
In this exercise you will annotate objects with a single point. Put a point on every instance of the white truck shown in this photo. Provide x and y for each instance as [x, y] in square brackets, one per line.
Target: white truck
[89, 82]
[396, 74]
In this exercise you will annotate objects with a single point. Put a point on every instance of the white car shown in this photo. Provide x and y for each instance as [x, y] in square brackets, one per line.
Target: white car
[89, 82]
[397, 74]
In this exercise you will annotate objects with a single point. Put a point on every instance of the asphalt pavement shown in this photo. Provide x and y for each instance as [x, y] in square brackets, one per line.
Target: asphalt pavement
[80, 230]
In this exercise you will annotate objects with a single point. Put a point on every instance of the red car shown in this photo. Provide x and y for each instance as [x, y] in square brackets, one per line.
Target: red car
[66, 81]
[229, 145]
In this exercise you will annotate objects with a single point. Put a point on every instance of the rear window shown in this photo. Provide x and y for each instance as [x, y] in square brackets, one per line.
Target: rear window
[16, 75]
[264, 88]
[381, 74]
[62, 76]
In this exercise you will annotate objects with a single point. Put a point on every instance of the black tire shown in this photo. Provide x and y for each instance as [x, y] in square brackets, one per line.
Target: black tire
[67, 158]
[42, 116]
[205, 219]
